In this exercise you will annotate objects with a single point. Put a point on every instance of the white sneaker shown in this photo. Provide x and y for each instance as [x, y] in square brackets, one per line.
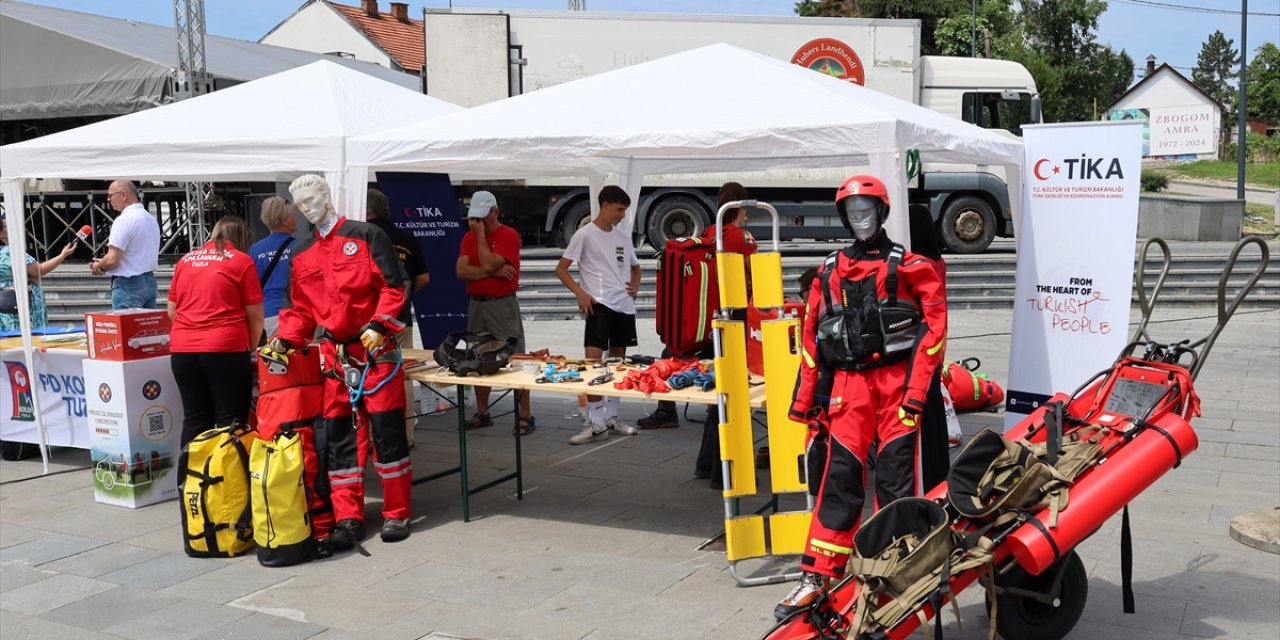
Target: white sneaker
[619, 427]
[589, 435]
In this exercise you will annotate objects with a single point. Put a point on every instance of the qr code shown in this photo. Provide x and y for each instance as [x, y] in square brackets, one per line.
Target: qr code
[155, 423]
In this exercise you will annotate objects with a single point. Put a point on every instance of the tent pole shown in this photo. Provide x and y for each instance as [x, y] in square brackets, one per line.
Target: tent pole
[13, 195]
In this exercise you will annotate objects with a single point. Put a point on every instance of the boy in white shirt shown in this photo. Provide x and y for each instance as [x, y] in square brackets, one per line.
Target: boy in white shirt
[609, 279]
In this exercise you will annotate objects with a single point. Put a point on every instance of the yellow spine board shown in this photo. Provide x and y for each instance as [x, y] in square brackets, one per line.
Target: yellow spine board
[786, 436]
[736, 444]
[731, 272]
[788, 532]
[744, 538]
[766, 279]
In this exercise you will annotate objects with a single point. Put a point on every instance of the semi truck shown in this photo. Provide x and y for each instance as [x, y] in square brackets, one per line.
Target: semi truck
[478, 56]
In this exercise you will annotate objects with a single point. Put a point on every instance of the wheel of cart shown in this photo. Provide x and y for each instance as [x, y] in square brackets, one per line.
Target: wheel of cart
[1043, 607]
[106, 474]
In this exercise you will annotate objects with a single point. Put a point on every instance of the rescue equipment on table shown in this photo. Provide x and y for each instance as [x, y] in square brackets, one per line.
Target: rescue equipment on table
[858, 330]
[656, 377]
[553, 373]
[970, 389]
[687, 296]
[466, 353]
[1016, 506]
[288, 405]
[601, 379]
[213, 477]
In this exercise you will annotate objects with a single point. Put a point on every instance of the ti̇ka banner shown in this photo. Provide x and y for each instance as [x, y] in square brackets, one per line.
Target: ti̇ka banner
[423, 204]
[1075, 257]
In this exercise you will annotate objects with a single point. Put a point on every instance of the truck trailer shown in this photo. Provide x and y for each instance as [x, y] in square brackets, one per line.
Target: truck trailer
[478, 56]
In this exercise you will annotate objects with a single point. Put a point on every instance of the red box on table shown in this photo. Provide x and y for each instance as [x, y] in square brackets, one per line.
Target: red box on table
[127, 334]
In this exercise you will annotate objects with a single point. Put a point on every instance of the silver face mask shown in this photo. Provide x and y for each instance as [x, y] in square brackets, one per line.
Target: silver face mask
[862, 213]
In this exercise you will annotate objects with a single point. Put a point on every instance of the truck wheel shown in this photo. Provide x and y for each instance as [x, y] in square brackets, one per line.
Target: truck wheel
[579, 214]
[968, 225]
[1020, 617]
[675, 217]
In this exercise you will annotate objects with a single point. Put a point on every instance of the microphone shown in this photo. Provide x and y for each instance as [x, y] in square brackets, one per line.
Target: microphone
[83, 234]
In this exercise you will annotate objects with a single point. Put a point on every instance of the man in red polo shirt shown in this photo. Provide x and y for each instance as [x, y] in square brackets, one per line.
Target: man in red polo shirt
[489, 261]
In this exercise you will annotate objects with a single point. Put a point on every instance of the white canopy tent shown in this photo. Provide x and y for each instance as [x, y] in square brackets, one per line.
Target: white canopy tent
[715, 109]
[270, 129]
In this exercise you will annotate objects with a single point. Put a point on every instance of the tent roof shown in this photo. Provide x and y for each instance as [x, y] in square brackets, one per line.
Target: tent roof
[56, 63]
[267, 129]
[714, 109]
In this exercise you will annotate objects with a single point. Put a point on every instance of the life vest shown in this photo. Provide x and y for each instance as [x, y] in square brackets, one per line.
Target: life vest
[859, 330]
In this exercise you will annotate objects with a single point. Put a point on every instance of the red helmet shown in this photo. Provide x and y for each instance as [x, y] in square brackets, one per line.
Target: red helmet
[863, 185]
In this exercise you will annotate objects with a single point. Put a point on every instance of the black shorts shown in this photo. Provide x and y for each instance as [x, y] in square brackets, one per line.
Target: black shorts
[607, 328]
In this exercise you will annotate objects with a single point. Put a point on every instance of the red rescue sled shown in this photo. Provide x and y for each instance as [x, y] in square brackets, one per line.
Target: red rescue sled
[1138, 412]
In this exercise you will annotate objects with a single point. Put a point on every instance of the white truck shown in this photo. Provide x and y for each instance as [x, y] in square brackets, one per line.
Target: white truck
[478, 56]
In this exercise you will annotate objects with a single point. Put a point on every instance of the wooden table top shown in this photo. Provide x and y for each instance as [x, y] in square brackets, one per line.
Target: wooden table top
[514, 377]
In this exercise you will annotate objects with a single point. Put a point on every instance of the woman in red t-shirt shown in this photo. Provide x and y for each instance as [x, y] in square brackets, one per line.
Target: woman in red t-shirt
[215, 301]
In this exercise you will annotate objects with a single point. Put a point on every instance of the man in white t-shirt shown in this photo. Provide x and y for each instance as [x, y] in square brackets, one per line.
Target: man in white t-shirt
[609, 277]
[133, 250]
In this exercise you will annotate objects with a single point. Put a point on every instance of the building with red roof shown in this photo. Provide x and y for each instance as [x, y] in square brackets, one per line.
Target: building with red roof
[364, 32]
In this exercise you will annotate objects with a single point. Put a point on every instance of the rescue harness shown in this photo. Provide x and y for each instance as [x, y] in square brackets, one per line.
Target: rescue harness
[859, 330]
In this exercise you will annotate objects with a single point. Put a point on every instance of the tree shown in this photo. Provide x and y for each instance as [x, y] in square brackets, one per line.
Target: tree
[1216, 68]
[1263, 89]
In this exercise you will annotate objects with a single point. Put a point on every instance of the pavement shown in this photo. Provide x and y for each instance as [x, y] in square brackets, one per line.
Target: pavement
[1218, 189]
[608, 542]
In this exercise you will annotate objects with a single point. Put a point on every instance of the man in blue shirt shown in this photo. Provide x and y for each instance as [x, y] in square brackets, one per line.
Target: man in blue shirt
[272, 257]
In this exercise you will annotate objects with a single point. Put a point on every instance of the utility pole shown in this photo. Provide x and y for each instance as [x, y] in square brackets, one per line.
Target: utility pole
[1242, 122]
[973, 37]
[577, 5]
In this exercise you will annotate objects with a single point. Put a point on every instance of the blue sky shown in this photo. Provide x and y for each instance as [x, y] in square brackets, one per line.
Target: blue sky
[1172, 35]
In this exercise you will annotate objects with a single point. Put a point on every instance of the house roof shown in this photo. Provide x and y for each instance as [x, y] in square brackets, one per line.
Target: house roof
[1150, 77]
[403, 41]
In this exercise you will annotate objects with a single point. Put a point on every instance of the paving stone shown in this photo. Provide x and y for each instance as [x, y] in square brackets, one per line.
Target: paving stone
[12, 534]
[179, 621]
[102, 560]
[14, 575]
[162, 571]
[316, 600]
[109, 522]
[45, 595]
[259, 626]
[227, 583]
[109, 608]
[1205, 620]
[445, 621]
[23, 627]
[1252, 452]
[49, 548]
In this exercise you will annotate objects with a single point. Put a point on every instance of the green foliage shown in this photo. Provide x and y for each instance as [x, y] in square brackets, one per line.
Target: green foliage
[1216, 67]
[1262, 174]
[1153, 180]
[1258, 149]
[1263, 84]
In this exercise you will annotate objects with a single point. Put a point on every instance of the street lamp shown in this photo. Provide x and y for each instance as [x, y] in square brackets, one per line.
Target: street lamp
[1242, 126]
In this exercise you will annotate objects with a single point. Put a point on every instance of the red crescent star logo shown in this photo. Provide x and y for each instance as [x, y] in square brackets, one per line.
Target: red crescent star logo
[1036, 170]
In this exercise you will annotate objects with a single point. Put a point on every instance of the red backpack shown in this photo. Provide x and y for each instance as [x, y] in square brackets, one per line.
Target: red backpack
[970, 390]
[688, 294]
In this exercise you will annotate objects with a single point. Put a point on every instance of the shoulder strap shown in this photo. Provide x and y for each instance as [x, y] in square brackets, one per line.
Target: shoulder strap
[275, 259]
[828, 272]
[891, 279]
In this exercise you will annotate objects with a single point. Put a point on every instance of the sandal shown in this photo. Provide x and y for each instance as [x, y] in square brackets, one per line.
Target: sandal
[478, 421]
[525, 425]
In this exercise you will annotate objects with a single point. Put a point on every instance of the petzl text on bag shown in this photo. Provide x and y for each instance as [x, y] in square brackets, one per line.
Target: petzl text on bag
[213, 476]
[281, 519]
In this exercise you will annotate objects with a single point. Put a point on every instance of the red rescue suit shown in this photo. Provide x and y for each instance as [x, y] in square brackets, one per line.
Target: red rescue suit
[343, 283]
[864, 404]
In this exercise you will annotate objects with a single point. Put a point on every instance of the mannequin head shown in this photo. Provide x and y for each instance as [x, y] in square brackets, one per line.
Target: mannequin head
[863, 204]
[311, 194]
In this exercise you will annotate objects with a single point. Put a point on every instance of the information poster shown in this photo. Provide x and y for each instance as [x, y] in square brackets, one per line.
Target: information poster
[59, 383]
[1075, 257]
[423, 204]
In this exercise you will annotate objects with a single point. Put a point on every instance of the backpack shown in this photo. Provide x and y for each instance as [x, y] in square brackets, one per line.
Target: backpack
[289, 401]
[281, 519]
[213, 476]
[969, 389]
[688, 294]
[467, 353]
[858, 330]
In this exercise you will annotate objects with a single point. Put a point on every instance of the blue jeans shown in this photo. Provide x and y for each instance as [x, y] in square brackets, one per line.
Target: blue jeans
[133, 292]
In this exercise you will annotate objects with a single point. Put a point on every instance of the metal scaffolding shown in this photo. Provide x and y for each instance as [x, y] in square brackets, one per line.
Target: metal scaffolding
[191, 78]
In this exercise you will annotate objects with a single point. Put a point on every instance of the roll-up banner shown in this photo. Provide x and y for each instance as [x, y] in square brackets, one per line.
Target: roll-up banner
[1076, 243]
[423, 204]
